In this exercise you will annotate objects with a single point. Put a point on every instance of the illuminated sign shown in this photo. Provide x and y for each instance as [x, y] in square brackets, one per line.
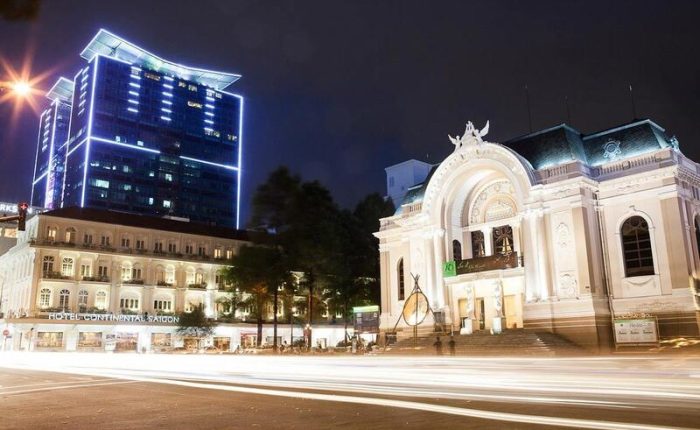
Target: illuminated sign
[481, 264]
[69, 316]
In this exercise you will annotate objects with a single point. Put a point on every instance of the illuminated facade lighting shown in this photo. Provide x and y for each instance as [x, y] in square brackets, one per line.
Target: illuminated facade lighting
[91, 153]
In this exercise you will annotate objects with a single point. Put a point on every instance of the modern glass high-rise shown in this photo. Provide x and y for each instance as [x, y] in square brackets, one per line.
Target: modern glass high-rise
[153, 137]
[51, 147]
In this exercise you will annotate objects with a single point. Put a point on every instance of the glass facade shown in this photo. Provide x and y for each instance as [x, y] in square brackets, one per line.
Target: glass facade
[146, 140]
[47, 186]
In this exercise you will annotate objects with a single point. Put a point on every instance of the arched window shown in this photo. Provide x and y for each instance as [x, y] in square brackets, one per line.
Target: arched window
[63, 299]
[456, 250]
[402, 281]
[82, 300]
[44, 298]
[47, 267]
[636, 247]
[101, 300]
[67, 266]
[478, 249]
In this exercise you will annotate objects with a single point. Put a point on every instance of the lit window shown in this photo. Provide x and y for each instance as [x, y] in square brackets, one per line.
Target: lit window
[169, 177]
[636, 247]
[150, 200]
[231, 137]
[192, 87]
[101, 300]
[152, 76]
[64, 299]
[99, 183]
[218, 252]
[166, 203]
[182, 84]
[44, 298]
[194, 104]
[67, 267]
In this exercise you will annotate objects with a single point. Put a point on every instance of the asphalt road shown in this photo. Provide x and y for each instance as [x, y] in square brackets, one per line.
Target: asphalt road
[99, 391]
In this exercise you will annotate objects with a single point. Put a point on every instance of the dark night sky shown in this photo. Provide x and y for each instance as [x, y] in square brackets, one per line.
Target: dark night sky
[339, 90]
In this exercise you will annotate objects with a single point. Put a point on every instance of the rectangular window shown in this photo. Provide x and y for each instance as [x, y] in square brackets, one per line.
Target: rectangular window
[104, 240]
[140, 244]
[201, 251]
[172, 247]
[194, 104]
[218, 253]
[125, 242]
[188, 249]
[87, 239]
[152, 76]
[85, 270]
[102, 271]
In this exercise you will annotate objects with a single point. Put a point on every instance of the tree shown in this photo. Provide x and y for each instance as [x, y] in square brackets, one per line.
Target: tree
[196, 324]
[258, 272]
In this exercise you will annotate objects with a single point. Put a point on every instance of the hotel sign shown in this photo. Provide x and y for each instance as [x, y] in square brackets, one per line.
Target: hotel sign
[69, 316]
[480, 264]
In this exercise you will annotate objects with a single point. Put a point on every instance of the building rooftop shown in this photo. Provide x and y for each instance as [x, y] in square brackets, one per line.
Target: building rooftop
[110, 45]
[62, 90]
[148, 222]
[563, 144]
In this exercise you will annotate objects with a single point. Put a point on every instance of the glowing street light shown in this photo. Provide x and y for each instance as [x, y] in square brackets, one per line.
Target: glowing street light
[21, 88]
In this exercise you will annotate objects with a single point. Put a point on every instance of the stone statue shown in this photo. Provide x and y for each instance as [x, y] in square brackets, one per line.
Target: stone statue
[471, 135]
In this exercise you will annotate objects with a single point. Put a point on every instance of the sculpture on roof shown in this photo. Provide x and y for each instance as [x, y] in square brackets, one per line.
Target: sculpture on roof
[471, 135]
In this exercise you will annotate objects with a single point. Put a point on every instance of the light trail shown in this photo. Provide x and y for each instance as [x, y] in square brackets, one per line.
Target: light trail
[608, 382]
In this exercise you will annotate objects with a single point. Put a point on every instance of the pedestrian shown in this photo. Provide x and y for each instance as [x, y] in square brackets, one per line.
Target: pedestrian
[438, 346]
[451, 344]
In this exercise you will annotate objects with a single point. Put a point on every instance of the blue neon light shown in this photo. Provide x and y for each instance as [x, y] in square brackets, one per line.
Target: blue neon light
[165, 118]
[208, 113]
[166, 110]
[240, 160]
[133, 101]
[211, 99]
[89, 130]
[209, 106]
[208, 121]
[125, 145]
[167, 102]
[223, 166]
[167, 94]
[135, 85]
[168, 86]
[133, 93]
[168, 78]
[132, 110]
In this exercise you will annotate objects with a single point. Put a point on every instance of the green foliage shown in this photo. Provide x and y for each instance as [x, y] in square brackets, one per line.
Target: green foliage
[334, 248]
[196, 324]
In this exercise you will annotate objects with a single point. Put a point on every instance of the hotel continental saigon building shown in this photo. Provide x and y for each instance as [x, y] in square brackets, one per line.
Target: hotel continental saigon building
[554, 231]
[82, 278]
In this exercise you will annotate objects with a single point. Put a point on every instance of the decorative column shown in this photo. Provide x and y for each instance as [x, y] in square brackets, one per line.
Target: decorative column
[488, 246]
[530, 258]
[439, 259]
[385, 281]
[543, 266]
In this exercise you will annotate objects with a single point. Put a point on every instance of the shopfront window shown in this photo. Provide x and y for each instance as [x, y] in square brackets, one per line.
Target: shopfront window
[49, 339]
[89, 339]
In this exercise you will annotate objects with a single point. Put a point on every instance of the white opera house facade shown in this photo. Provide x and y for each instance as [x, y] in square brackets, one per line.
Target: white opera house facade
[554, 231]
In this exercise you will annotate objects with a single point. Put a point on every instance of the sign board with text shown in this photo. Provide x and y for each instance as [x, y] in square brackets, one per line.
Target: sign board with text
[636, 331]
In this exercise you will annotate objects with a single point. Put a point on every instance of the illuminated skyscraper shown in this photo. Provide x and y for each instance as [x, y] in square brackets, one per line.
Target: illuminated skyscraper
[152, 137]
[51, 146]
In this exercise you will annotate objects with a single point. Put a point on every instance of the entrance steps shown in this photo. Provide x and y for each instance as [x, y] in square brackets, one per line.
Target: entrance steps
[514, 342]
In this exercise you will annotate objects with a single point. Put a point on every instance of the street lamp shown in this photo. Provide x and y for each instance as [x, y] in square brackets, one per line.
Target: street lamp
[19, 88]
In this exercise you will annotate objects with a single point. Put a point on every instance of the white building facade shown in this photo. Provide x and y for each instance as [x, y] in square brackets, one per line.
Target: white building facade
[83, 279]
[554, 231]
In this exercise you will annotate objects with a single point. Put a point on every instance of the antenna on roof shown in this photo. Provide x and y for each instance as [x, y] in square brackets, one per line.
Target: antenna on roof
[529, 110]
[634, 107]
[568, 111]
